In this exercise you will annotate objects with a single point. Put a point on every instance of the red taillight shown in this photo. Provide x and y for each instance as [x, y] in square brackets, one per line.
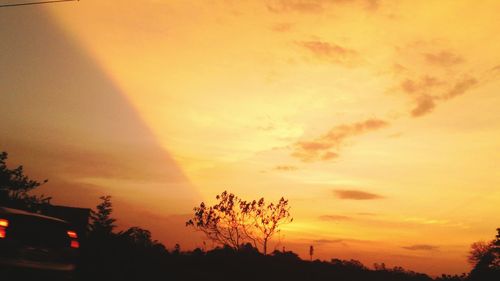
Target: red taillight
[4, 223]
[72, 234]
[75, 244]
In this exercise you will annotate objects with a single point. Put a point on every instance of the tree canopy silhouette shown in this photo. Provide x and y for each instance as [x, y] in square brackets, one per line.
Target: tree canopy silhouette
[233, 221]
[102, 222]
[486, 259]
[15, 187]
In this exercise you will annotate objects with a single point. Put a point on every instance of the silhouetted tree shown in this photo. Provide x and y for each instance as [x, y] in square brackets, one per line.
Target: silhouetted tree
[478, 251]
[138, 236]
[177, 248]
[233, 221]
[267, 220]
[224, 222]
[101, 221]
[487, 258]
[15, 187]
[446, 277]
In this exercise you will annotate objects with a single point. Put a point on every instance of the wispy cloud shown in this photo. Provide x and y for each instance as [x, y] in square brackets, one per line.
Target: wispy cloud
[334, 218]
[328, 51]
[440, 77]
[321, 147]
[286, 168]
[303, 6]
[460, 87]
[328, 241]
[353, 194]
[421, 247]
[282, 27]
[315, 6]
[426, 102]
[443, 58]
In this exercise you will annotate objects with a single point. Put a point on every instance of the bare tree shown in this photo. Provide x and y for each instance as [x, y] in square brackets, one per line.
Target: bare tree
[268, 220]
[233, 221]
[222, 223]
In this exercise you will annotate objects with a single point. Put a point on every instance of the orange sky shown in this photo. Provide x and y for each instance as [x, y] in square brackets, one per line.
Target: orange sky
[379, 120]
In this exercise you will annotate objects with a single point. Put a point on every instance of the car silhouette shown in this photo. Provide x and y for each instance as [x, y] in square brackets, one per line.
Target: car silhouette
[37, 245]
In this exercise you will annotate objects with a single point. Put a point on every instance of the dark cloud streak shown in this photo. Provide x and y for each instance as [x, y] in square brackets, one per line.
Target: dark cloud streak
[350, 194]
[334, 218]
[421, 247]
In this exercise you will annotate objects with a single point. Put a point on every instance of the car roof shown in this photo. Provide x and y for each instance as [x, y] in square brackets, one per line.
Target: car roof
[5, 210]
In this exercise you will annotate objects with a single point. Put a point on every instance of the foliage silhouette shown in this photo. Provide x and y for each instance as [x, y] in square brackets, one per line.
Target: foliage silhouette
[487, 260]
[15, 187]
[101, 221]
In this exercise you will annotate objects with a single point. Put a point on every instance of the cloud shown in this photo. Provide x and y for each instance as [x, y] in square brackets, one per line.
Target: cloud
[425, 83]
[329, 51]
[425, 104]
[356, 195]
[303, 6]
[282, 27]
[443, 58]
[334, 218]
[286, 168]
[436, 76]
[328, 241]
[314, 6]
[321, 147]
[428, 90]
[421, 247]
[460, 87]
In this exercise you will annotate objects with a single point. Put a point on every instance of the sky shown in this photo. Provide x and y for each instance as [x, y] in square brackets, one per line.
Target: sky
[377, 119]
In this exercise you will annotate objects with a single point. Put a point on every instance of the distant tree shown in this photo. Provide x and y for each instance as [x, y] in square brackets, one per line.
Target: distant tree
[311, 252]
[177, 249]
[486, 257]
[446, 277]
[15, 187]
[101, 221]
[478, 251]
[233, 222]
[379, 266]
[138, 236]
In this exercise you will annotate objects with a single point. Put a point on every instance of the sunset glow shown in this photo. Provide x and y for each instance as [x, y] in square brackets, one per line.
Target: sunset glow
[378, 120]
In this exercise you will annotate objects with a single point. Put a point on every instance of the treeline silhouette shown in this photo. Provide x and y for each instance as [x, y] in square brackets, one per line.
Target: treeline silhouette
[132, 254]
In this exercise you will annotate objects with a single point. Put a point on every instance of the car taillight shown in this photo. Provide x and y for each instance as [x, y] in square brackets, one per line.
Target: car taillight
[74, 244]
[4, 223]
[72, 234]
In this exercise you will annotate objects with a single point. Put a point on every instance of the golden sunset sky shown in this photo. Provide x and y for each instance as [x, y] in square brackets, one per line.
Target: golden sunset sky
[378, 120]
